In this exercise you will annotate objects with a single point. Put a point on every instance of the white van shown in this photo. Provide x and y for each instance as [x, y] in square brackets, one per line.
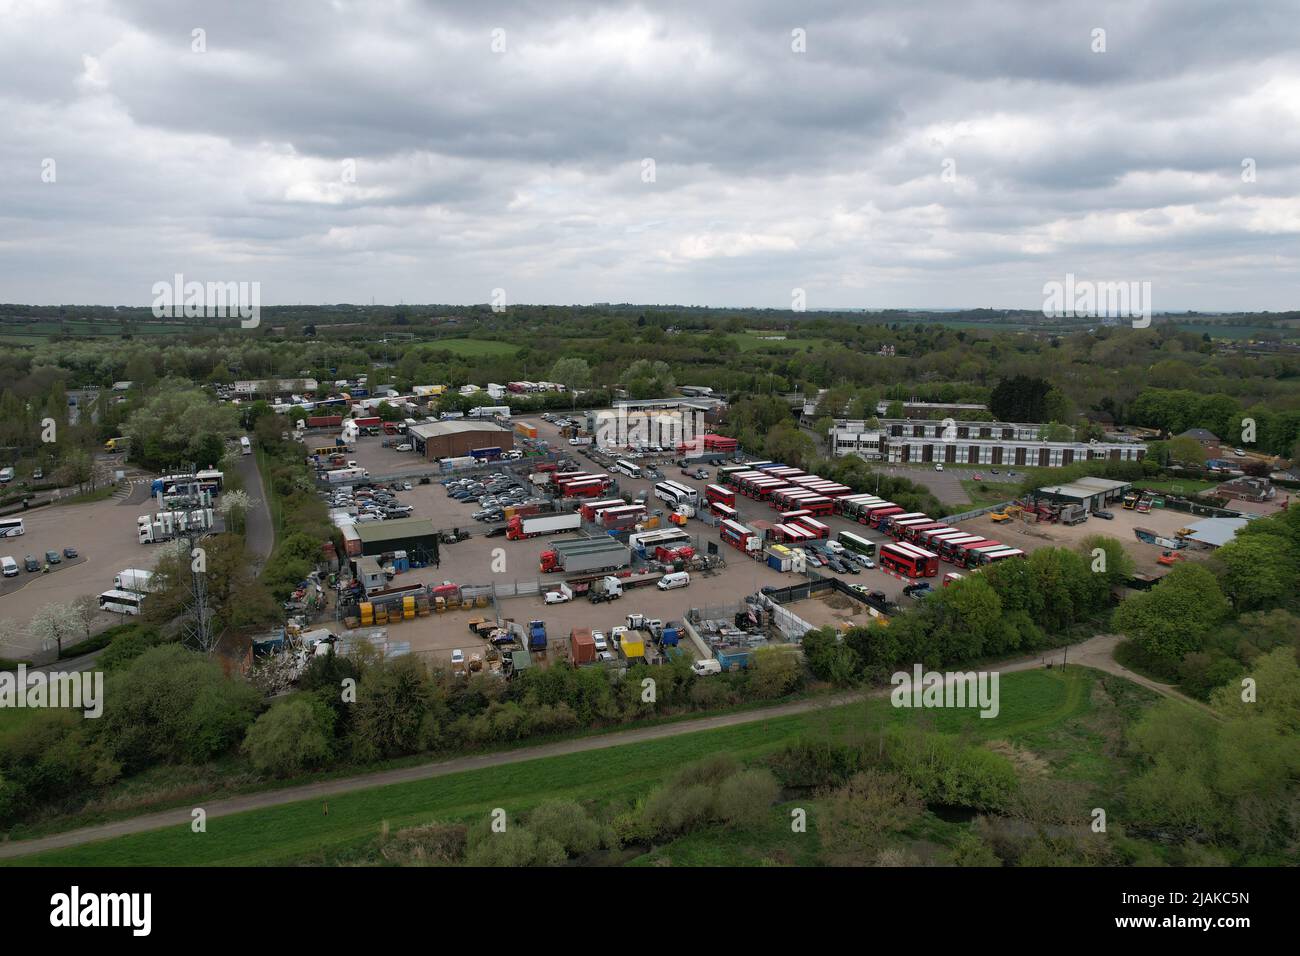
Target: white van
[709, 666]
[678, 579]
[9, 566]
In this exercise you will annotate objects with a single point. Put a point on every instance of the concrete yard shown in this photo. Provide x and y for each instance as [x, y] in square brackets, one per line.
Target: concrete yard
[104, 534]
[483, 560]
[1031, 537]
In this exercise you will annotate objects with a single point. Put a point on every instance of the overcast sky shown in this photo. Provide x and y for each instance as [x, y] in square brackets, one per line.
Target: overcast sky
[927, 154]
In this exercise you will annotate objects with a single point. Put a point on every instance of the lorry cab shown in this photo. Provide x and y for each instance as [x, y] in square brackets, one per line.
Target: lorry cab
[678, 579]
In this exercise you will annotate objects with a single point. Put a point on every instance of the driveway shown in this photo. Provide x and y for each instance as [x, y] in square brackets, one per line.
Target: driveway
[259, 534]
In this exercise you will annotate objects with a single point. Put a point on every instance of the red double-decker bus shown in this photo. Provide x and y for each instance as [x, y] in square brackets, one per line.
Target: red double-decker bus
[908, 560]
[813, 525]
[720, 495]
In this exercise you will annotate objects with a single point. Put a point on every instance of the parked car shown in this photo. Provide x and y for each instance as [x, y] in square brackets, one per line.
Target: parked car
[702, 474]
[404, 446]
[1104, 515]
[599, 638]
[30, 563]
[1239, 452]
[836, 565]
[918, 591]
[69, 553]
[865, 561]
[53, 557]
[938, 466]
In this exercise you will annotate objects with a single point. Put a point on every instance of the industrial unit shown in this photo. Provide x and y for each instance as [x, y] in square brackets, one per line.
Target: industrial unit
[456, 438]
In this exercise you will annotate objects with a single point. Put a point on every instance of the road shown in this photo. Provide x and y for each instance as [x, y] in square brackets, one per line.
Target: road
[1096, 652]
[259, 534]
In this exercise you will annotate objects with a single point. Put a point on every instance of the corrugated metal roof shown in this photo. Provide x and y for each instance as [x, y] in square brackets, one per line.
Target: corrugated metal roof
[1215, 531]
[455, 427]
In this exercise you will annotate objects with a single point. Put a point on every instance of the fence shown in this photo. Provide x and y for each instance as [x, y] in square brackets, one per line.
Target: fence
[967, 515]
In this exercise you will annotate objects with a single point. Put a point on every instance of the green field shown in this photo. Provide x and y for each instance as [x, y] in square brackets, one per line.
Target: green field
[1046, 711]
[983, 493]
[475, 348]
[34, 332]
[753, 342]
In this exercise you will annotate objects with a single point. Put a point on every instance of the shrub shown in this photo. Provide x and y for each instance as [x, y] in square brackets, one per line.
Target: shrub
[568, 824]
[294, 735]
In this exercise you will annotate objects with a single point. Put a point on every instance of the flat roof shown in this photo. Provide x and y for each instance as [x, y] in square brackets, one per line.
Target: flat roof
[371, 532]
[1085, 487]
[455, 427]
[1216, 531]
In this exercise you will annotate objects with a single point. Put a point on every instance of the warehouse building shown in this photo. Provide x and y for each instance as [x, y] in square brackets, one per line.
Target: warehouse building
[1093, 493]
[416, 536]
[1014, 444]
[456, 438]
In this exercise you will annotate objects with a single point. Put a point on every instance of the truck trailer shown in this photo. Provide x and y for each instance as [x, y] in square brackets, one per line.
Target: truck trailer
[523, 526]
[576, 555]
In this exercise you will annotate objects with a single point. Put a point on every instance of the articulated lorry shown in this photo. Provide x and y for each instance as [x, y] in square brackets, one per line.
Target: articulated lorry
[576, 555]
[346, 476]
[527, 526]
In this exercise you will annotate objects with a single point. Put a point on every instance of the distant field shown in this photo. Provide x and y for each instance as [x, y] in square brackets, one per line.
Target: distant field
[1047, 711]
[32, 332]
[475, 348]
[753, 342]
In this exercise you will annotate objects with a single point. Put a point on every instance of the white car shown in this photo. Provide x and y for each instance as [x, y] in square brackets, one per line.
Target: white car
[599, 638]
[865, 561]
[404, 446]
[1239, 452]
[457, 658]
[938, 466]
[707, 667]
[834, 547]
[555, 597]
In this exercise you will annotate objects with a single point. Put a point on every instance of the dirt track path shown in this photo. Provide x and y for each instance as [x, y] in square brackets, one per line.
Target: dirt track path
[1096, 652]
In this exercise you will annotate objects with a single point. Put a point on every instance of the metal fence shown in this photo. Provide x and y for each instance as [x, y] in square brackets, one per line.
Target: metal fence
[967, 515]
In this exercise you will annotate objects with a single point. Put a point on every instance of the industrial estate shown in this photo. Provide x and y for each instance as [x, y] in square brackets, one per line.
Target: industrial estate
[616, 438]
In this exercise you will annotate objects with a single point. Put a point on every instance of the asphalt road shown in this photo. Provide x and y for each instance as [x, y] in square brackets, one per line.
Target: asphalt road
[259, 534]
[1096, 652]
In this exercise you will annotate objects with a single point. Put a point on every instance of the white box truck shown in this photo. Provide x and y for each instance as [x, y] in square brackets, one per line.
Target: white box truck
[133, 579]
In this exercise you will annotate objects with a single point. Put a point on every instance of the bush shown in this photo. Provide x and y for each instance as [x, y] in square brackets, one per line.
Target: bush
[816, 763]
[516, 846]
[293, 736]
[172, 705]
[567, 823]
[434, 844]
[860, 816]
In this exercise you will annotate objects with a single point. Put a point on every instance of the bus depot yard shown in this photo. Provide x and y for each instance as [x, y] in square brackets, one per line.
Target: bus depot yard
[508, 572]
[498, 576]
[104, 536]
